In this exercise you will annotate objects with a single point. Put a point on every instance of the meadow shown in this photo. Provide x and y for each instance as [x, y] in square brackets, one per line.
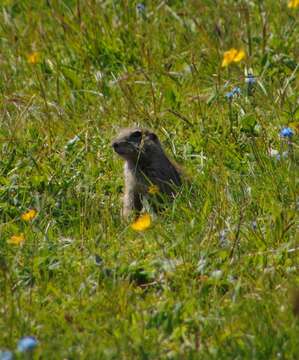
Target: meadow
[215, 275]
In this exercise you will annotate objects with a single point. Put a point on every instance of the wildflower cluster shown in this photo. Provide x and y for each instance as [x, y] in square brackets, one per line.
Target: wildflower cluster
[19, 239]
[286, 133]
[250, 80]
[27, 344]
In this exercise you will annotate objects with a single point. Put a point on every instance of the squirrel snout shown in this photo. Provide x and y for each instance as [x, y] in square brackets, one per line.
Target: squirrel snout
[115, 145]
[120, 147]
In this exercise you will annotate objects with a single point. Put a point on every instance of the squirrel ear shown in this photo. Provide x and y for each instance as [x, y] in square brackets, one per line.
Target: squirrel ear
[153, 136]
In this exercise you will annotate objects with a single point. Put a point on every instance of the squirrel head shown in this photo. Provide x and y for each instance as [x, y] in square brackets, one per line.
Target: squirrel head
[136, 145]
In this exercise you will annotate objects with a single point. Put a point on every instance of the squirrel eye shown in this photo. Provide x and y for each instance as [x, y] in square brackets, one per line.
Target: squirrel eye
[136, 135]
[153, 136]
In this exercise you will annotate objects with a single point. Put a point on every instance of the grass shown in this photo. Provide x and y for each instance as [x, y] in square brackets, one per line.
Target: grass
[213, 277]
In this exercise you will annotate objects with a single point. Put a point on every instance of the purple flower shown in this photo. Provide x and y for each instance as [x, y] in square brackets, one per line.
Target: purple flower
[27, 343]
[6, 355]
[250, 79]
[286, 132]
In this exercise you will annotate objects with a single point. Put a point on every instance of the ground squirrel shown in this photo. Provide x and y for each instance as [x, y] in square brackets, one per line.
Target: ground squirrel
[146, 167]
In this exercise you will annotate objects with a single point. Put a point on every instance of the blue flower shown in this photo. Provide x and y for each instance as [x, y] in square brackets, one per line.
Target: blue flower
[27, 343]
[140, 8]
[236, 91]
[6, 355]
[229, 95]
[286, 132]
[250, 79]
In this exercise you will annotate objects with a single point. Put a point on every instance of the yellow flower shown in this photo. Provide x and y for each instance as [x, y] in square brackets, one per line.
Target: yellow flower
[293, 4]
[16, 239]
[232, 55]
[33, 58]
[142, 223]
[153, 189]
[29, 215]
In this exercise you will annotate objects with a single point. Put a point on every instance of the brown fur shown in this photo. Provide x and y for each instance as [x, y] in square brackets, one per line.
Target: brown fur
[146, 164]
